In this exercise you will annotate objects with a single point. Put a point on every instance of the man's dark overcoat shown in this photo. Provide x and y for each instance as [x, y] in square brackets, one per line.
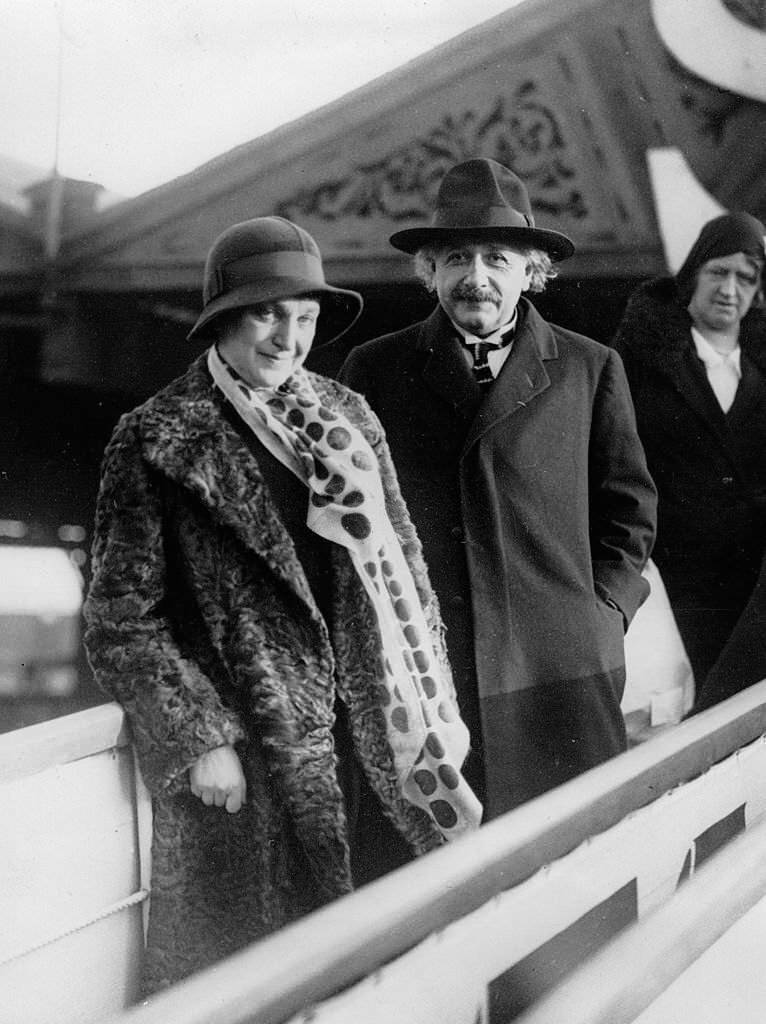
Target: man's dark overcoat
[709, 466]
[535, 509]
[201, 623]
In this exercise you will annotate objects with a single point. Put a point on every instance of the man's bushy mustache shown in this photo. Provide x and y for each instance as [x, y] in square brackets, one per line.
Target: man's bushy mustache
[468, 293]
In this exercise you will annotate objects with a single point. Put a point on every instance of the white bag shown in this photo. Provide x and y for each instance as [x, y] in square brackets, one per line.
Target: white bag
[659, 679]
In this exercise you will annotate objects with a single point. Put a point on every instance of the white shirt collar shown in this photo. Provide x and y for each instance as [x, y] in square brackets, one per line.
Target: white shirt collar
[710, 357]
[490, 339]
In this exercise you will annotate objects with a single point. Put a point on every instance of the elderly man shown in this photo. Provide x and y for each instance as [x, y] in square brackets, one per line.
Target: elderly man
[517, 453]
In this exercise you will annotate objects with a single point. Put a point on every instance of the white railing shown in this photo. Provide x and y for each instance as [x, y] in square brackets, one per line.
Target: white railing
[74, 849]
[448, 937]
[634, 971]
[468, 933]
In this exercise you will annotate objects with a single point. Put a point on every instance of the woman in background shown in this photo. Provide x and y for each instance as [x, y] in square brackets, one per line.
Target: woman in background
[694, 349]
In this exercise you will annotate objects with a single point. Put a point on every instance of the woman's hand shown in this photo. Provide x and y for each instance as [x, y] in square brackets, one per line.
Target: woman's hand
[217, 778]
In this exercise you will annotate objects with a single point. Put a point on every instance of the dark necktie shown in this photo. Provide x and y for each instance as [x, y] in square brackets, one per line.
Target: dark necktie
[481, 349]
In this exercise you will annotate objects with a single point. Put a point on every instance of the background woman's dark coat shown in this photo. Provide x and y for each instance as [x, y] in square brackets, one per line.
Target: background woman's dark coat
[742, 662]
[534, 508]
[709, 467]
[202, 625]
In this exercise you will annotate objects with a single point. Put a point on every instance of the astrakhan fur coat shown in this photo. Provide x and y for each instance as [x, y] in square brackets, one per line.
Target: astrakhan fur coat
[201, 624]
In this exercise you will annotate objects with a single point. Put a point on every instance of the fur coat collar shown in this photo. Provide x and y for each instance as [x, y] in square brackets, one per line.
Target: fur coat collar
[655, 329]
[185, 436]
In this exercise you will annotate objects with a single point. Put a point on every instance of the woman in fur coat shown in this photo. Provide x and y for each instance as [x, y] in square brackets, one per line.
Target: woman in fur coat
[694, 349]
[260, 607]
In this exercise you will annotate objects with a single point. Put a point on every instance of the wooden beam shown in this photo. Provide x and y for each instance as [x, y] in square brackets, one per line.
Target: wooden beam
[373, 267]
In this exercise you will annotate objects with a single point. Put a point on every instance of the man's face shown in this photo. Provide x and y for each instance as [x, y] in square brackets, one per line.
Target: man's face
[479, 284]
[725, 290]
[271, 340]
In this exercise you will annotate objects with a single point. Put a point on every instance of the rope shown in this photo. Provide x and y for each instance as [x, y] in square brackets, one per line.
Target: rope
[130, 901]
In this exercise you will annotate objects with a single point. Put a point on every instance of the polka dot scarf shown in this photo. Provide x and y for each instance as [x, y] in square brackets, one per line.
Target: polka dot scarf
[428, 739]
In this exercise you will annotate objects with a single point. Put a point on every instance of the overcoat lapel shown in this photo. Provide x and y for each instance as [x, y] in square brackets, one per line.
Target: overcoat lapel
[187, 438]
[445, 370]
[693, 386]
[697, 393]
[522, 378]
[749, 394]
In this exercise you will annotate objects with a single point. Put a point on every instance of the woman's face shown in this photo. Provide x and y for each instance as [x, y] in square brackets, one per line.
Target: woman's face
[725, 289]
[271, 340]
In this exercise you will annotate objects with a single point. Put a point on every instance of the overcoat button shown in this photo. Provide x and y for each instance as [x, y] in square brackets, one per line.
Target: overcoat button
[457, 532]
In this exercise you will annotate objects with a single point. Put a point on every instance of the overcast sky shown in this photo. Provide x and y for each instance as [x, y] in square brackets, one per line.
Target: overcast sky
[150, 89]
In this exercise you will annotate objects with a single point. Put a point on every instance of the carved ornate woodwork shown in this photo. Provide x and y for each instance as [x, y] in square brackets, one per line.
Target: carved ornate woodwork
[521, 130]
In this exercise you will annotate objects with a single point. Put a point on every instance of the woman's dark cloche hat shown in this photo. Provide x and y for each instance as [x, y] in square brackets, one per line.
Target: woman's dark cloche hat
[722, 236]
[266, 259]
[483, 199]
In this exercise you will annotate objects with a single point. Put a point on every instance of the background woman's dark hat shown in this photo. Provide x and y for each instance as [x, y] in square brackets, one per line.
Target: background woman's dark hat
[482, 198]
[721, 236]
[271, 258]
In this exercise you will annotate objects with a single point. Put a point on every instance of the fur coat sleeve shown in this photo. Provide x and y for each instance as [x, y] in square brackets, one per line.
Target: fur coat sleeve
[135, 655]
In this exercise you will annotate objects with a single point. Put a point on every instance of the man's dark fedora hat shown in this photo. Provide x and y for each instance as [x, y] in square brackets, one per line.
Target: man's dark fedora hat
[482, 199]
[270, 258]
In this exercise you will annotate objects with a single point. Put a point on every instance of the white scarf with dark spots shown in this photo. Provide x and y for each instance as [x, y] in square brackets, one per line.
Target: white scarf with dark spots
[428, 739]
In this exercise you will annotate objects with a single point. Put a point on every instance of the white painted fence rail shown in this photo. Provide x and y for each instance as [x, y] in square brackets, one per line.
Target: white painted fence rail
[478, 930]
[74, 846]
[481, 930]
[635, 971]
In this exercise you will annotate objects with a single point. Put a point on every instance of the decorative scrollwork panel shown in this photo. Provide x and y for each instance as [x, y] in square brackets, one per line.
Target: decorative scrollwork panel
[521, 131]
